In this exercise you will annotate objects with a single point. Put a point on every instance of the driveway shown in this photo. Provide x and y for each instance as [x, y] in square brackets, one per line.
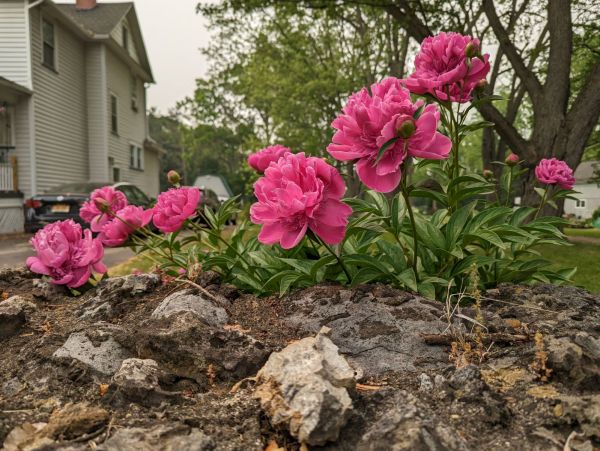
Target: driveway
[15, 250]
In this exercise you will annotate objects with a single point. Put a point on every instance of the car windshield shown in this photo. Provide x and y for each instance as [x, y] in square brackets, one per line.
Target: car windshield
[80, 188]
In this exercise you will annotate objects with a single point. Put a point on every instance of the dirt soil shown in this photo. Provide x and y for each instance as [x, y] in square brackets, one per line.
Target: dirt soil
[520, 372]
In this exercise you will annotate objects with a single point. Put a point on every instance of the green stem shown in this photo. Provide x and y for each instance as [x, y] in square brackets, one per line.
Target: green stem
[542, 203]
[414, 228]
[337, 257]
[509, 188]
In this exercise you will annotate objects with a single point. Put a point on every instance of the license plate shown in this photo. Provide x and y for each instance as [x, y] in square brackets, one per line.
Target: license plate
[60, 208]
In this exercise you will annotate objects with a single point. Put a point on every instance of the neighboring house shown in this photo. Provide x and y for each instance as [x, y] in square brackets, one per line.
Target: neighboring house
[215, 183]
[72, 98]
[589, 197]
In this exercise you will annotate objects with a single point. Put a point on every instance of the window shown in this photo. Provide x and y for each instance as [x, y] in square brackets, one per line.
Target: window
[133, 86]
[114, 118]
[125, 38]
[136, 157]
[134, 195]
[580, 203]
[48, 45]
[116, 175]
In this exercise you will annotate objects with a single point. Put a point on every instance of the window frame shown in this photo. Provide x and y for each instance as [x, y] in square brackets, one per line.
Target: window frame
[133, 88]
[125, 38]
[580, 203]
[136, 157]
[54, 45]
[114, 116]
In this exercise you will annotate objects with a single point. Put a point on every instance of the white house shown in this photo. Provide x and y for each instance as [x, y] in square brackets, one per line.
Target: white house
[73, 83]
[589, 197]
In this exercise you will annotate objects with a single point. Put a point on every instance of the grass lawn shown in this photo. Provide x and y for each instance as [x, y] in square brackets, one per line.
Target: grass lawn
[592, 233]
[586, 257]
[139, 262]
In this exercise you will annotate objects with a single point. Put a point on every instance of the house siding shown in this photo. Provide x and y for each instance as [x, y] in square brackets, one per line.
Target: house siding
[60, 108]
[590, 192]
[23, 144]
[131, 126]
[14, 55]
[97, 92]
[117, 35]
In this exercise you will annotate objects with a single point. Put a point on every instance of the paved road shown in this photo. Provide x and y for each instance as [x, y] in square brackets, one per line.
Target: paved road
[14, 251]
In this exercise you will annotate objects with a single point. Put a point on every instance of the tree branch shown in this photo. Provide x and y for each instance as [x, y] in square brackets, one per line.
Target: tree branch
[532, 84]
[507, 131]
[409, 20]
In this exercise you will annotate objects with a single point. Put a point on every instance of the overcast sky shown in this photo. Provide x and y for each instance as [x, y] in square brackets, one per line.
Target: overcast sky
[173, 34]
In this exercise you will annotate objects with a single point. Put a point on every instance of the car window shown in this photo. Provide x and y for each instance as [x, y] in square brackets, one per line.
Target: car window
[139, 195]
[132, 194]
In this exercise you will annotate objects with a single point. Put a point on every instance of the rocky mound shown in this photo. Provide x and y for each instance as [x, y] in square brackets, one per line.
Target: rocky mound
[135, 364]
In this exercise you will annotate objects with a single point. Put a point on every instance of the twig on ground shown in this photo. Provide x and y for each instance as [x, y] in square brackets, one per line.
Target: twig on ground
[443, 339]
[202, 289]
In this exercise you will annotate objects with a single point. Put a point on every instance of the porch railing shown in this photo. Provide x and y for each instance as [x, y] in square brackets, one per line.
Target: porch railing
[9, 180]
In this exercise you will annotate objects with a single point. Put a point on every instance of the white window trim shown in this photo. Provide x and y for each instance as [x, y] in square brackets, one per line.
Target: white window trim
[140, 152]
[56, 49]
[582, 202]
[110, 113]
[123, 29]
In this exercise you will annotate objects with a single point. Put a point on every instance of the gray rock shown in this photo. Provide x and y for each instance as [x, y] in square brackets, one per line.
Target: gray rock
[376, 335]
[575, 362]
[187, 347]
[158, 438]
[13, 315]
[184, 301]
[111, 293]
[404, 424]
[584, 410]
[425, 382]
[137, 379]
[104, 355]
[46, 290]
[304, 387]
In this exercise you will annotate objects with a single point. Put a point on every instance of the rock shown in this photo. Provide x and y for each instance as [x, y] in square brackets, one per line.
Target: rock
[104, 355]
[404, 425]
[138, 380]
[206, 278]
[185, 301]
[13, 315]
[110, 294]
[425, 382]
[584, 410]
[47, 291]
[187, 347]
[158, 438]
[75, 420]
[375, 335]
[575, 362]
[304, 387]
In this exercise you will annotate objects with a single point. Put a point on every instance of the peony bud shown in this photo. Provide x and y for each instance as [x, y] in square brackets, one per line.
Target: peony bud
[173, 177]
[102, 204]
[512, 159]
[406, 129]
[471, 50]
[488, 174]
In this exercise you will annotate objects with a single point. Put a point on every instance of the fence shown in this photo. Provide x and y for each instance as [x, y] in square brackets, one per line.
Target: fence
[8, 175]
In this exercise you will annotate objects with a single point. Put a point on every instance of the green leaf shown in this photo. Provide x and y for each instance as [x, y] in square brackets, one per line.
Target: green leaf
[520, 214]
[456, 224]
[466, 264]
[408, 279]
[383, 148]
[430, 194]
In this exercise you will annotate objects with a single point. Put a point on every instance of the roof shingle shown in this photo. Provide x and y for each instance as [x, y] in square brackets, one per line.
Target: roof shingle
[100, 20]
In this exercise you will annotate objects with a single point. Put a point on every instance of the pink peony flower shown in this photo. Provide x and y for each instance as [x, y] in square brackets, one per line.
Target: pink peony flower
[66, 256]
[449, 63]
[126, 221]
[262, 159]
[103, 204]
[555, 172]
[298, 193]
[174, 206]
[512, 159]
[387, 117]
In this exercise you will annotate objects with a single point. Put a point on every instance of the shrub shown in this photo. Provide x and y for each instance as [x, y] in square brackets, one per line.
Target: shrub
[302, 232]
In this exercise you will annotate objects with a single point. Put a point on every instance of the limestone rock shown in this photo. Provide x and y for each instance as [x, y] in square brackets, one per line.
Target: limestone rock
[13, 315]
[376, 332]
[185, 301]
[187, 347]
[575, 361]
[104, 355]
[304, 387]
[159, 438]
[137, 379]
